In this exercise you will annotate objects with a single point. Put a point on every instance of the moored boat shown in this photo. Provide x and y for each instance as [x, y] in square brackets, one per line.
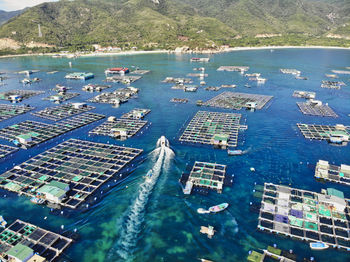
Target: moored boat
[234, 152]
[318, 246]
[218, 208]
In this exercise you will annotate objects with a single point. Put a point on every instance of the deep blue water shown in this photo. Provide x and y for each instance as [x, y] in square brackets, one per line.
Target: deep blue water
[170, 229]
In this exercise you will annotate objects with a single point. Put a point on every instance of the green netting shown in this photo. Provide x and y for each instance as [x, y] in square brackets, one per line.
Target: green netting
[311, 226]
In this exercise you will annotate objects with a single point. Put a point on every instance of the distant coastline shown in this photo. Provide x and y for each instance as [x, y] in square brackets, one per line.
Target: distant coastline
[209, 51]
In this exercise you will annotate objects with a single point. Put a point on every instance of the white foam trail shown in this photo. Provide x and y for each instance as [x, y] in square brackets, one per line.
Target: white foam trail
[132, 226]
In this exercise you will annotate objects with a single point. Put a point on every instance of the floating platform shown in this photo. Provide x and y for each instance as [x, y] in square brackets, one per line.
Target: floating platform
[140, 72]
[121, 128]
[19, 95]
[186, 88]
[212, 88]
[341, 72]
[179, 100]
[332, 84]
[9, 111]
[41, 243]
[200, 59]
[315, 109]
[80, 76]
[197, 75]
[237, 101]
[61, 97]
[306, 215]
[241, 69]
[137, 113]
[323, 132]
[208, 176]
[290, 71]
[30, 133]
[213, 128]
[178, 80]
[60, 112]
[7, 150]
[81, 165]
[121, 95]
[304, 94]
[95, 87]
[123, 79]
[337, 174]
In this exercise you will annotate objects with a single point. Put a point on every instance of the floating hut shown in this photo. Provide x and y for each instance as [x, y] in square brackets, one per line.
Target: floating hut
[80, 76]
[117, 70]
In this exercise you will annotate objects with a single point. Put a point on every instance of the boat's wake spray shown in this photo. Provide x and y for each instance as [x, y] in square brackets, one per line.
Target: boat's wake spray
[132, 225]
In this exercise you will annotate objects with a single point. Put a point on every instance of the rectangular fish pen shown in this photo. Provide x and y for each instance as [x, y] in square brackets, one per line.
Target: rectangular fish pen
[23, 94]
[322, 132]
[208, 176]
[119, 128]
[60, 112]
[337, 174]
[9, 111]
[235, 100]
[213, 128]
[30, 133]
[44, 244]
[137, 113]
[82, 165]
[306, 215]
[61, 97]
[123, 79]
[309, 108]
[6, 150]
[241, 69]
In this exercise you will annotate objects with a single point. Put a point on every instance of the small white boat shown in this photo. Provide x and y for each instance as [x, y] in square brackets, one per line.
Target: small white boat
[318, 246]
[234, 152]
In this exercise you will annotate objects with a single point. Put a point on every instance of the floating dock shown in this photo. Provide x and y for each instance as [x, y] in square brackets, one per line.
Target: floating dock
[213, 128]
[241, 69]
[119, 128]
[63, 111]
[30, 133]
[237, 101]
[306, 215]
[179, 100]
[137, 113]
[80, 76]
[95, 87]
[290, 71]
[75, 169]
[337, 174]
[304, 94]
[37, 243]
[200, 59]
[9, 111]
[121, 95]
[324, 132]
[122, 79]
[316, 108]
[61, 97]
[332, 84]
[177, 80]
[19, 95]
[206, 175]
[7, 150]
[140, 72]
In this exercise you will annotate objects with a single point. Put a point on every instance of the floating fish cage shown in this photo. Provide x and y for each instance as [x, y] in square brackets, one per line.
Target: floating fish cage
[234, 100]
[6, 150]
[61, 97]
[213, 128]
[63, 111]
[44, 243]
[304, 94]
[177, 80]
[306, 215]
[30, 133]
[82, 165]
[140, 72]
[179, 100]
[241, 69]
[121, 95]
[119, 128]
[95, 87]
[137, 113]
[336, 174]
[313, 109]
[21, 94]
[323, 132]
[9, 111]
[332, 84]
[123, 79]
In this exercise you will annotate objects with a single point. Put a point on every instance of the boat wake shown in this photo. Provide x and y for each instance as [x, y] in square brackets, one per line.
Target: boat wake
[162, 156]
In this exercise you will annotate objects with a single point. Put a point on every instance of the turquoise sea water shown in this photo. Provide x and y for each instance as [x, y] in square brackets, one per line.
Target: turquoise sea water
[167, 222]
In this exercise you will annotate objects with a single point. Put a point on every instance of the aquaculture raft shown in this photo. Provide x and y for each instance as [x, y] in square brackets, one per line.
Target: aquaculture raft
[337, 174]
[304, 94]
[136, 113]
[23, 94]
[33, 133]
[241, 69]
[62, 96]
[308, 108]
[140, 72]
[83, 165]
[179, 100]
[322, 132]
[63, 111]
[121, 95]
[306, 215]
[122, 128]
[8, 111]
[234, 100]
[213, 128]
[123, 79]
[44, 243]
[208, 175]
[7, 150]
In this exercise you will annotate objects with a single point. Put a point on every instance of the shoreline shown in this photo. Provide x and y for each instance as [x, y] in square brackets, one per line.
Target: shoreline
[208, 52]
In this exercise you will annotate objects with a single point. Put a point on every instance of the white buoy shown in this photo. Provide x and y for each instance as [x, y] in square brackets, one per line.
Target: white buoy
[252, 169]
[45, 218]
[70, 64]
[62, 226]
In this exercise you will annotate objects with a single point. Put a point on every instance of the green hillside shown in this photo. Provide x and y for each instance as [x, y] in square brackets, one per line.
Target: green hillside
[172, 23]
